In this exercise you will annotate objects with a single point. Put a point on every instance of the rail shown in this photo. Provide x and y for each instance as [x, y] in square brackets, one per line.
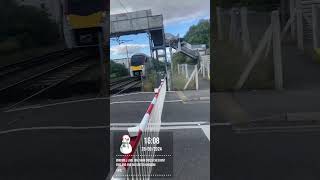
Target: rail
[18, 66]
[123, 84]
[42, 82]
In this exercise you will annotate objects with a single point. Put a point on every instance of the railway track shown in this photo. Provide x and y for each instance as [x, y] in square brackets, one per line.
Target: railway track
[123, 84]
[17, 72]
[31, 62]
[21, 91]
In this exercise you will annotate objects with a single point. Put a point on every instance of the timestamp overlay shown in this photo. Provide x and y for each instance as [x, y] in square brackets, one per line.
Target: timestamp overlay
[154, 153]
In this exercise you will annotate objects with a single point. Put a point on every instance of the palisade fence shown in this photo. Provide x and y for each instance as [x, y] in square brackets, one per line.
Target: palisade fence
[304, 23]
[192, 72]
[244, 31]
[248, 29]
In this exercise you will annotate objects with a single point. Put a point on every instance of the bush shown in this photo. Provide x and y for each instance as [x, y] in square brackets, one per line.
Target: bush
[179, 58]
[150, 82]
[117, 70]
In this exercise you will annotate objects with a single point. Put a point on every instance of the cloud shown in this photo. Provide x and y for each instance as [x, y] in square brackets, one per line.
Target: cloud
[174, 11]
[121, 50]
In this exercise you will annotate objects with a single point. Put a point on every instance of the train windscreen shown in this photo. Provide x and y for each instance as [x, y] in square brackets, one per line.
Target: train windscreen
[85, 7]
[137, 60]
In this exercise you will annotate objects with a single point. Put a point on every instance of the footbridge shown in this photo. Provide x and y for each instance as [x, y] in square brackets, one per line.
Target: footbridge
[180, 45]
[141, 22]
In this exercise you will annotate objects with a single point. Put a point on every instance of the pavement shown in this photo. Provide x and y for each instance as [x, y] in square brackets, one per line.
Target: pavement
[185, 115]
[282, 155]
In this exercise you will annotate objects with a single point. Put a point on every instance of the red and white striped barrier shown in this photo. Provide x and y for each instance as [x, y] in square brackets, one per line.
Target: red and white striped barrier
[137, 132]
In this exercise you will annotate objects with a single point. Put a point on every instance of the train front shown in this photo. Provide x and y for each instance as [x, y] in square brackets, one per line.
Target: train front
[137, 65]
[85, 19]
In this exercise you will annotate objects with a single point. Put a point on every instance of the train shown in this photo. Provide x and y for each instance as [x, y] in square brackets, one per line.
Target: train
[83, 20]
[139, 63]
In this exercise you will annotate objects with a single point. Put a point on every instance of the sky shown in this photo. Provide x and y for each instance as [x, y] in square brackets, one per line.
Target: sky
[178, 16]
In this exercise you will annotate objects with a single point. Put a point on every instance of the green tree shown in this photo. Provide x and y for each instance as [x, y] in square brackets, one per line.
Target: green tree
[199, 34]
[158, 66]
[117, 70]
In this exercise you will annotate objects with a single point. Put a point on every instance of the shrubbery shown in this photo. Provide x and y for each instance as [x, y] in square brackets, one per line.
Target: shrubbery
[117, 70]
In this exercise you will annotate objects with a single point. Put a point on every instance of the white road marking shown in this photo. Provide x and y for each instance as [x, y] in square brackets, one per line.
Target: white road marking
[54, 104]
[134, 102]
[173, 101]
[162, 127]
[163, 124]
[129, 102]
[128, 94]
[305, 128]
[51, 128]
[167, 126]
[197, 102]
[206, 130]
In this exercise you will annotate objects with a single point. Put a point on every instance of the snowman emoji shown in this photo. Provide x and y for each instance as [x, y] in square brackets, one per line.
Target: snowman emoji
[125, 147]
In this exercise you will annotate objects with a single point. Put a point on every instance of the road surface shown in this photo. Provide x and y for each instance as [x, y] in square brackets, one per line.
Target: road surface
[181, 114]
